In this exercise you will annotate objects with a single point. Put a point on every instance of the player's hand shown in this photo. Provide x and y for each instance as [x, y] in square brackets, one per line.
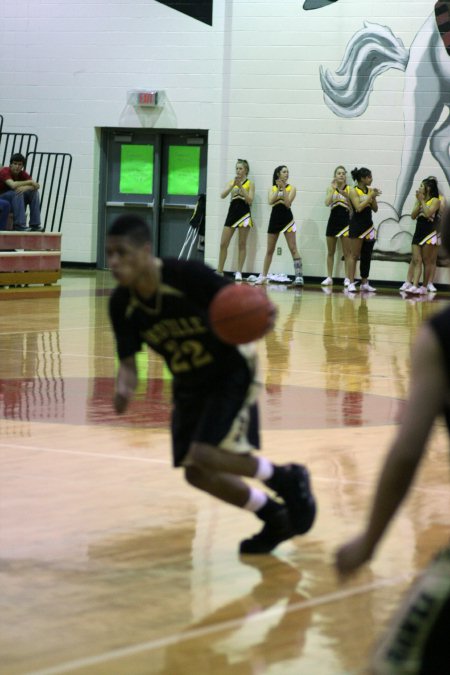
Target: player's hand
[376, 192]
[120, 402]
[334, 184]
[352, 555]
[280, 183]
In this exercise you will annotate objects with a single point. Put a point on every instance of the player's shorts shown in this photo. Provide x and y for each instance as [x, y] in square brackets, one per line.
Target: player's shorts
[418, 638]
[425, 233]
[338, 222]
[280, 228]
[224, 414]
[238, 214]
[281, 220]
[362, 231]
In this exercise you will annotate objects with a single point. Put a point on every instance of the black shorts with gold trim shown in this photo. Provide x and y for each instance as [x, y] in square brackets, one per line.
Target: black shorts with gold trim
[223, 414]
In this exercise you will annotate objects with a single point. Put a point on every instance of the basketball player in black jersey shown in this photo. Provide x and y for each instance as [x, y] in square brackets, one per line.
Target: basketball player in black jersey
[418, 640]
[164, 303]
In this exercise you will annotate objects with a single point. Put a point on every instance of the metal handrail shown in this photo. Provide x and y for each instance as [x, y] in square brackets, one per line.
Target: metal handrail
[52, 171]
[12, 142]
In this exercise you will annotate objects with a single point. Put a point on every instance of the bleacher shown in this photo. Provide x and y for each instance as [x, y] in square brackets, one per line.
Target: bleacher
[35, 257]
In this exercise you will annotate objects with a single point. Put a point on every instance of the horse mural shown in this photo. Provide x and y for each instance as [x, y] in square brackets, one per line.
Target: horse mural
[375, 49]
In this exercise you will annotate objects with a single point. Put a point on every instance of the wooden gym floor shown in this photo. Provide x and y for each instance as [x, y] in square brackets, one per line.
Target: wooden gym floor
[111, 564]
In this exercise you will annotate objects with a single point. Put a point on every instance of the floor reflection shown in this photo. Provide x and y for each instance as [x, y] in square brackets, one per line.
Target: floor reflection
[83, 401]
[253, 632]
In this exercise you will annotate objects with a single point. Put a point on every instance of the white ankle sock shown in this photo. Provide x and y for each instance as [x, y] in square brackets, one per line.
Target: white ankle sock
[264, 470]
[257, 499]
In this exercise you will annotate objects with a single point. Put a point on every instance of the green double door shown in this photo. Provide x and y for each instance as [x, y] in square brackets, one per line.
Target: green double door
[157, 175]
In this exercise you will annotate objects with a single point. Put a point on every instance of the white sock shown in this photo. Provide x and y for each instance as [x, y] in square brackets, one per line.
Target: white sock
[257, 499]
[264, 470]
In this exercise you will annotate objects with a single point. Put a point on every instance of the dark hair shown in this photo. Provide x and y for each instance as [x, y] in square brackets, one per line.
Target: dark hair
[276, 173]
[445, 230]
[357, 174]
[133, 227]
[17, 157]
[245, 164]
[430, 184]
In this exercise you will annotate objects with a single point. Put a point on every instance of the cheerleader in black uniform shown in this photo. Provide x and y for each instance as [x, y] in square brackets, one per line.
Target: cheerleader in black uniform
[338, 199]
[426, 238]
[281, 196]
[239, 218]
[411, 285]
[362, 231]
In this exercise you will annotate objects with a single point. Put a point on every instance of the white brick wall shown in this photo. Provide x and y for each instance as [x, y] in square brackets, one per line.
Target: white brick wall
[252, 80]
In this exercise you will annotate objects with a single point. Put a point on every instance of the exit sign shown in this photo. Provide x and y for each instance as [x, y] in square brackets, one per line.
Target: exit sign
[147, 98]
[143, 98]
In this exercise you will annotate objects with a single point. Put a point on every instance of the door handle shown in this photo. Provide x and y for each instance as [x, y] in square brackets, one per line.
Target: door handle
[164, 205]
[142, 205]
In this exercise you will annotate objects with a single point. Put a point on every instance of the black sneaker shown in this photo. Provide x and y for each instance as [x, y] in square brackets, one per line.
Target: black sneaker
[36, 228]
[277, 529]
[296, 492]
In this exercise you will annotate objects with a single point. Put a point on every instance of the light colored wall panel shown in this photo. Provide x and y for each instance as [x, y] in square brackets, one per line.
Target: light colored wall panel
[251, 80]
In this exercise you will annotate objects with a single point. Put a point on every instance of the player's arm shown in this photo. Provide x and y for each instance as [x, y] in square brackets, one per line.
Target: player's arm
[128, 343]
[25, 188]
[416, 209]
[374, 203]
[22, 185]
[428, 393]
[126, 383]
[358, 205]
[330, 191]
[430, 209]
[249, 194]
[227, 189]
[272, 196]
[290, 196]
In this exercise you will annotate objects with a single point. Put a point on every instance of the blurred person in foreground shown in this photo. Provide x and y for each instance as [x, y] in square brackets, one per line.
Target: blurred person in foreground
[417, 640]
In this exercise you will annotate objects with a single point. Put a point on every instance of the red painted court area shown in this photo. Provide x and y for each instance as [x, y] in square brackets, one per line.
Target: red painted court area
[81, 401]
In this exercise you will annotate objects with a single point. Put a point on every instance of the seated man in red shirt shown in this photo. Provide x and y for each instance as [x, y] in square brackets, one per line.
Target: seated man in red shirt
[20, 190]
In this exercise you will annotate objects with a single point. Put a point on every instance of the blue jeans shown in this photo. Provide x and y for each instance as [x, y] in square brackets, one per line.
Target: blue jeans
[4, 213]
[19, 201]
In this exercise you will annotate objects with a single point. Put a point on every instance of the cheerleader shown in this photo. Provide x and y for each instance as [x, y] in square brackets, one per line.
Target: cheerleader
[239, 218]
[280, 197]
[409, 283]
[338, 199]
[362, 232]
[426, 239]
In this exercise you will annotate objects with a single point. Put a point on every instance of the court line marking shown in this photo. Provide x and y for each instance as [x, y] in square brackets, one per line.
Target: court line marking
[196, 633]
[166, 462]
[97, 455]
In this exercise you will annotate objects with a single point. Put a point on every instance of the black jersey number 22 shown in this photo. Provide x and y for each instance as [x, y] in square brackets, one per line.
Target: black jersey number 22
[186, 356]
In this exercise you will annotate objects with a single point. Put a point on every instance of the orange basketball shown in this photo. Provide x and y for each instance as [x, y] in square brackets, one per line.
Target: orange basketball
[241, 314]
